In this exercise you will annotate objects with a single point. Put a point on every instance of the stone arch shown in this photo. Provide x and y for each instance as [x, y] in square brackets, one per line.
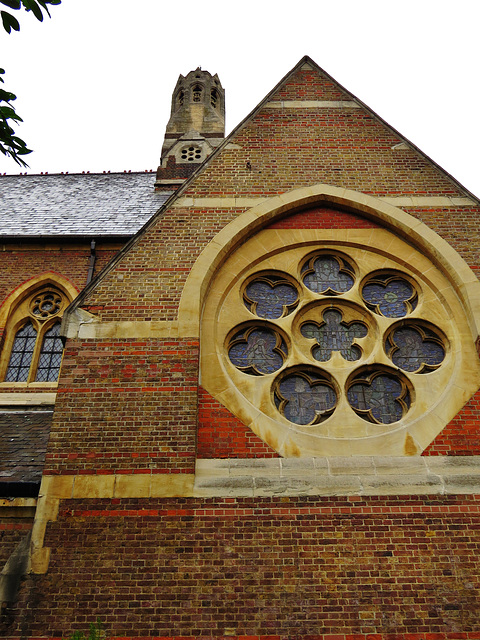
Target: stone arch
[29, 286]
[443, 256]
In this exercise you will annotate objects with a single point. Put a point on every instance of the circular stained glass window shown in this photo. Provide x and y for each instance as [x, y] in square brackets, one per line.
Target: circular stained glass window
[322, 351]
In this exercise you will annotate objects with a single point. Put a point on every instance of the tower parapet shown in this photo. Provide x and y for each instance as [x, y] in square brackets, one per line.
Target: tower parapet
[196, 126]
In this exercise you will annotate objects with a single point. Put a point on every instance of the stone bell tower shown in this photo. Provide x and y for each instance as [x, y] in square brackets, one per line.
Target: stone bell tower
[196, 127]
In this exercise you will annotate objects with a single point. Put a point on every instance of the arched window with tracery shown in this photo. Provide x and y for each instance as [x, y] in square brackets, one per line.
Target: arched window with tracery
[33, 348]
[197, 93]
[214, 98]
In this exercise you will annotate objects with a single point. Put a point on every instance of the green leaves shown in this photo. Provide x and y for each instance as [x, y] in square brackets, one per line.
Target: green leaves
[10, 144]
[9, 22]
[13, 4]
[35, 6]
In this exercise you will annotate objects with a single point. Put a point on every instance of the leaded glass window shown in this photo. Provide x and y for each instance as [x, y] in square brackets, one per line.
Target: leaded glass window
[328, 274]
[35, 350]
[22, 354]
[50, 355]
[332, 326]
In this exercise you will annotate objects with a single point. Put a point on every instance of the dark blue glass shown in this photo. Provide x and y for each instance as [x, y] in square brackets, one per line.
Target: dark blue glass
[390, 297]
[50, 355]
[271, 299]
[305, 399]
[327, 273]
[22, 354]
[334, 335]
[257, 351]
[411, 351]
[384, 398]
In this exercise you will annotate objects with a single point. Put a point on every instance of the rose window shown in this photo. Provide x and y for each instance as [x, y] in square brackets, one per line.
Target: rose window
[334, 330]
[324, 349]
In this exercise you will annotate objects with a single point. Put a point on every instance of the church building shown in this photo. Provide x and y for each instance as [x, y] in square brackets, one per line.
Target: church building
[239, 397]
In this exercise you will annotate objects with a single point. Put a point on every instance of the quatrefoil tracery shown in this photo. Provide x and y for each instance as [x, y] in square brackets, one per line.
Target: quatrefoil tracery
[415, 349]
[257, 350]
[270, 296]
[305, 397]
[328, 275]
[389, 295]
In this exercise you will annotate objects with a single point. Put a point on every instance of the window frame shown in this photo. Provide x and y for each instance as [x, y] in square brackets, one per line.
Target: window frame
[19, 317]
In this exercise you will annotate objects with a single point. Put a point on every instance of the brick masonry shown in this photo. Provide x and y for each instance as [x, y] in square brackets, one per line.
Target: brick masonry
[135, 407]
[461, 437]
[222, 435]
[287, 567]
[12, 530]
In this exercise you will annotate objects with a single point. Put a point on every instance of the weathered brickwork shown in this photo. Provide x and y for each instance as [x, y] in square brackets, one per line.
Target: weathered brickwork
[308, 84]
[134, 403]
[323, 218]
[21, 263]
[144, 287]
[222, 435]
[12, 530]
[292, 567]
[458, 226]
[461, 437]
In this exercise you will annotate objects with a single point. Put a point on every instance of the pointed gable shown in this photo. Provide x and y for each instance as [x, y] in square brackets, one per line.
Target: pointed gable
[307, 131]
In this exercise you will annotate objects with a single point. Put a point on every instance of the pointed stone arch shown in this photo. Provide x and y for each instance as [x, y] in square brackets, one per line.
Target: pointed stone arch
[443, 256]
[29, 286]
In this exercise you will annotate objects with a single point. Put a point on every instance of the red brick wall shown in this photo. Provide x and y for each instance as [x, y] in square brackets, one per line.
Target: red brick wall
[125, 405]
[222, 435]
[12, 530]
[283, 567]
[23, 262]
[461, 437]
[323, 218]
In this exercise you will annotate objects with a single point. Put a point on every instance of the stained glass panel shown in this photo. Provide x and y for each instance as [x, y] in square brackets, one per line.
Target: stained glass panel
[270, 298]
[305, 398]
[257, 351]
[412, 351]
[391, 297]
[334, 335]
[382, 397]
[22, 353]
[50, 356]
[328, 273]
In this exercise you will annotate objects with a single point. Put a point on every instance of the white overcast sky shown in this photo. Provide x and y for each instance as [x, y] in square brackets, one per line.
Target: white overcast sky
[94, 83]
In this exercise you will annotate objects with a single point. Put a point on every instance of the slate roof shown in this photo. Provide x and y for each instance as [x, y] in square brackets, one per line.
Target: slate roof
[22, 451]
[77, 204]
